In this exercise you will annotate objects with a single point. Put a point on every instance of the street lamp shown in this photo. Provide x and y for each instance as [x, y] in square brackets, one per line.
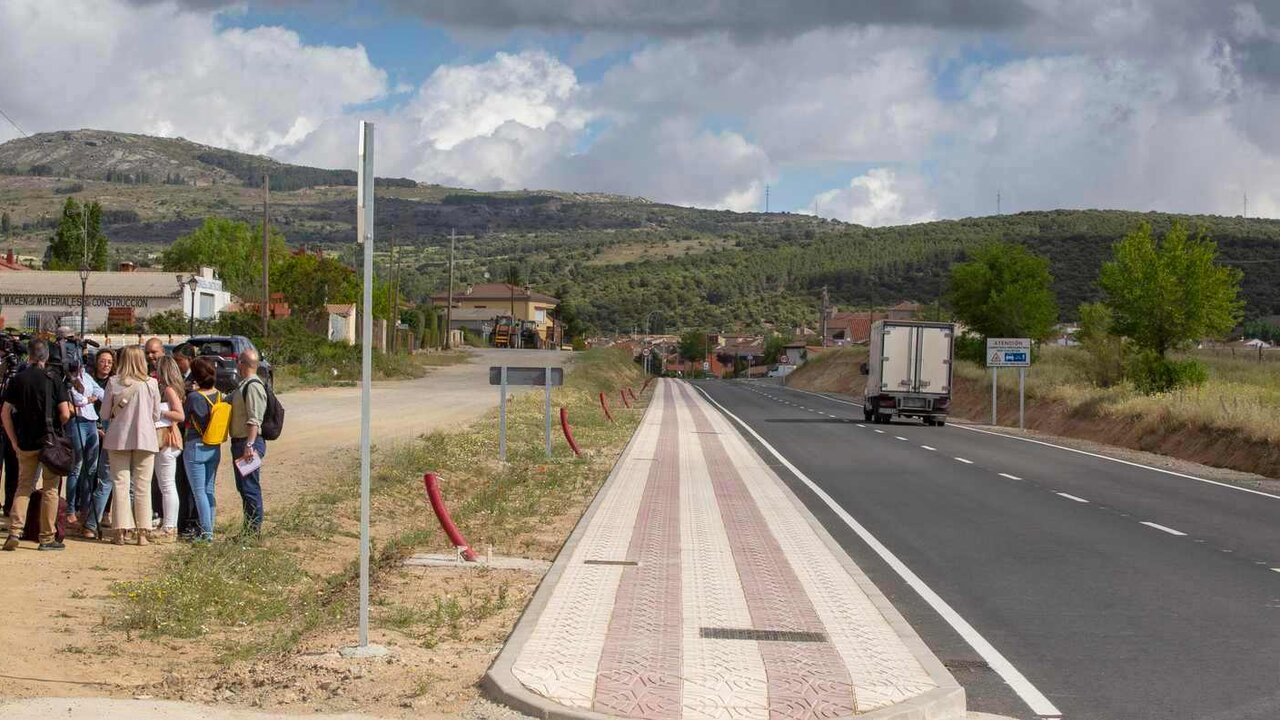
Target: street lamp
[192, 283]
[84, 284]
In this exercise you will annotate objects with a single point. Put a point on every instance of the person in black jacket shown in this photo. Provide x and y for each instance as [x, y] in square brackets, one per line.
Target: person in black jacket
[28, 419]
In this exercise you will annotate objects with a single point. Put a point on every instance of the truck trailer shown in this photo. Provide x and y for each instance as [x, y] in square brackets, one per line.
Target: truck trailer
[908, 371]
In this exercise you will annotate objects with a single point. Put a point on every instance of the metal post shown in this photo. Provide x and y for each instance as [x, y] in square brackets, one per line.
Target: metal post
[993, 394]
[364, 221]
[266, 254]
[502, 417]
[547, 380]
[1022, 396]
[448, 310]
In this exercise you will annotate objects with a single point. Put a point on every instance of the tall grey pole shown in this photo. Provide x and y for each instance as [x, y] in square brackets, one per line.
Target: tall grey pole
[364, 230]
[547, 434]
[84, 267]
[993, 394]
[448, 310]
[1022, 396]
[502, 417]
[266, 255]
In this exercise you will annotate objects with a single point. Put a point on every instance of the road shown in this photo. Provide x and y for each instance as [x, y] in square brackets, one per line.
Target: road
[1053, 583]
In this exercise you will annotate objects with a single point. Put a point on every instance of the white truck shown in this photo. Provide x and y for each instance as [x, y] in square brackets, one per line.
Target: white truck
[908, 371]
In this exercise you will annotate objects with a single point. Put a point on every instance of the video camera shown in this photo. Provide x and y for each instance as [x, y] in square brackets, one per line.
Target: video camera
[13, 348]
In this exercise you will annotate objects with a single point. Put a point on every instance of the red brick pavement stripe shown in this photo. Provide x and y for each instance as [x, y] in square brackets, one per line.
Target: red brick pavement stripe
[806, 680]
[640, 667]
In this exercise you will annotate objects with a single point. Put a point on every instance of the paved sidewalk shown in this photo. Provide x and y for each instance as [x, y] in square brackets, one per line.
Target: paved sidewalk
[698, 586]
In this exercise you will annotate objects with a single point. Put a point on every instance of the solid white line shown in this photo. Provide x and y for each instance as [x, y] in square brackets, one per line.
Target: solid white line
[1011, 477]
[1122, 462]
[824, 397]
[966, 462]
[1034, 699]
[1069, 496]
[931, 449]
[899, 437]
[1162, 528]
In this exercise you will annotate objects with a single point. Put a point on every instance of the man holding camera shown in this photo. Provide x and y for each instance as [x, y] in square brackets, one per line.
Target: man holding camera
[28, 419]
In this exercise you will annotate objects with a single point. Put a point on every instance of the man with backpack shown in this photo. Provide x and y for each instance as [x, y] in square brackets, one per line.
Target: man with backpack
[256, 416]
[32, 401]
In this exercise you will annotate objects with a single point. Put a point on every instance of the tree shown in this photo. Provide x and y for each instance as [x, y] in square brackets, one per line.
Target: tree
[693, 345]
[309, 282]
[1167, 294]
[1104, 348]
[1004, 290]
[70, 247]
[5, 223]
[774, 345]
[232, 248]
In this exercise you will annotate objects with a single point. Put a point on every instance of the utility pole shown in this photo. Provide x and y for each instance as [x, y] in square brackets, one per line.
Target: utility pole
[448, 310]
[84, 266]
[266, 252]
[822, 321]
[997, 202]
[766, 199]
[391, 297]
[1246, 203]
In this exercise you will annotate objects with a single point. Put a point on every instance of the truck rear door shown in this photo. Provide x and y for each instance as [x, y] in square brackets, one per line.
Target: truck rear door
[933, 374]
[898, 363]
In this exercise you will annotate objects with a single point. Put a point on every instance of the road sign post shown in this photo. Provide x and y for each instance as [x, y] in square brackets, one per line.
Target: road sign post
[545, 377]
[1009, 352]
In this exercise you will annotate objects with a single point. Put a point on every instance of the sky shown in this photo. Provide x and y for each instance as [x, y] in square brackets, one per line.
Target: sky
[877, 112]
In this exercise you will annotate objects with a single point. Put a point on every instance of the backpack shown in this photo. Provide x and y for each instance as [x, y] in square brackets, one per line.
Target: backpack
[31, 531]
[272, 417]
[219, 426]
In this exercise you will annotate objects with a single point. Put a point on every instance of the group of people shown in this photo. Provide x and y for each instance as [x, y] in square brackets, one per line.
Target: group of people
[147, 430]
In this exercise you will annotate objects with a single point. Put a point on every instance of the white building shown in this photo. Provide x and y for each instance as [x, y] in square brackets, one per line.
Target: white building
[44, 299]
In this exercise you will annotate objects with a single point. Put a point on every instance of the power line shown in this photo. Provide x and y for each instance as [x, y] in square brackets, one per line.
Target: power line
[14, 124]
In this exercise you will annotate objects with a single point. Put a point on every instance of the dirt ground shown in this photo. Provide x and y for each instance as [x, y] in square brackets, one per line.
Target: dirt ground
[52, 604]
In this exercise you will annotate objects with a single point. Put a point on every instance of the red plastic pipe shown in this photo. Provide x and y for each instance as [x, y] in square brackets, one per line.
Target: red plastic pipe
[432, 483]
[605, 404]
[623, 394]
[568, 431]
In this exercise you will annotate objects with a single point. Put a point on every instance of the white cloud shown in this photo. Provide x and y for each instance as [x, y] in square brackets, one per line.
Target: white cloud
[155, 69]
[881, 196]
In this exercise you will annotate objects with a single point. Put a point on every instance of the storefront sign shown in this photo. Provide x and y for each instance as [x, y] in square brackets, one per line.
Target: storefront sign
[72, 301]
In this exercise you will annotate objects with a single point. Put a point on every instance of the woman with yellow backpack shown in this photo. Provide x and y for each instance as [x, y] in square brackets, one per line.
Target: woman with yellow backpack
[208, 423]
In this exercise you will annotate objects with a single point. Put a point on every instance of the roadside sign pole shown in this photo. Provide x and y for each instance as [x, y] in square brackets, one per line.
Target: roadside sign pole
[994, 372]
[547, 435]
[502, 417]
[1022, 397]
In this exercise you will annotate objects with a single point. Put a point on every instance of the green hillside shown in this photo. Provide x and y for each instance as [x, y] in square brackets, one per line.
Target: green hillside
[616, 258]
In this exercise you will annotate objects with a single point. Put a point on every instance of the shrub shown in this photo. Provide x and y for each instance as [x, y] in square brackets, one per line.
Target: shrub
[1153, 373]
[1104, 350]
[972, 348]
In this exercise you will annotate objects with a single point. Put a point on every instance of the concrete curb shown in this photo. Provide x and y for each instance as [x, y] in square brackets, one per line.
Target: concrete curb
[946, 702]
[499, 683]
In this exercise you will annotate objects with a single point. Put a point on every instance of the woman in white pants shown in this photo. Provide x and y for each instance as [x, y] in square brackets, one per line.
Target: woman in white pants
[170, 438]
[131, 408]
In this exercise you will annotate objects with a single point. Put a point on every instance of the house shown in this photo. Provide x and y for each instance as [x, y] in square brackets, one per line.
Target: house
[486, 301]
[342, 323]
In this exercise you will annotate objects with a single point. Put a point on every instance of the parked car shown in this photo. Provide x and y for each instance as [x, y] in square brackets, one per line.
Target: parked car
[224, 350]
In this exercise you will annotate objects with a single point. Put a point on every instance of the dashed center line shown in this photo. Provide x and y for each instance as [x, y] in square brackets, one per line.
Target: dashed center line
[965, 461]
[1011, 477]
[880, 431]
[860, 425]
[930, 449]
[1275, 570]
[1162, 528]
[1069, 496]
[899, 437]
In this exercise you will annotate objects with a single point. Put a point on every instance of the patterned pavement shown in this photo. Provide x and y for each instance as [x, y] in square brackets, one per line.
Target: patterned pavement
[699, 588]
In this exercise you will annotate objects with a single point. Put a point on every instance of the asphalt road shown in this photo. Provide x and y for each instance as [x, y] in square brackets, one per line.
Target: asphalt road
[1114, 592]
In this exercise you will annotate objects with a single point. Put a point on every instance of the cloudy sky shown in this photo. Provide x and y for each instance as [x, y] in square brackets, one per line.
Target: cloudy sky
[871, 111]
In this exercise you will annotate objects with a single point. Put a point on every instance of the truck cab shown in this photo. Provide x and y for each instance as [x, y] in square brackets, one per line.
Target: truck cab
[908, 371]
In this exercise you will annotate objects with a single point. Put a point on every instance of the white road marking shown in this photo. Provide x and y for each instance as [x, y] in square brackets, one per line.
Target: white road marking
[1011, 477]
[860, 425]
[1069, 496]
[899, 437]
[966, 462]
[930, 449]
[1034, 699]
[1122, 462]
[880, 431]
[1162, 528]
[1275, 570]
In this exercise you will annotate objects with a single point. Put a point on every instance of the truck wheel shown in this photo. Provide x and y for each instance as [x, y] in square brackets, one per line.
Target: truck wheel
[867, 414]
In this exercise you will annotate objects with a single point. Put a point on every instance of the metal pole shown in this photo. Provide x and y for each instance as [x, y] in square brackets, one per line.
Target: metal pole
[547, 379]
[993, 394]
[1022, 396]
[502, 417]
[364, 230]
[84, 272]
[266, 255]
[448, 310]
